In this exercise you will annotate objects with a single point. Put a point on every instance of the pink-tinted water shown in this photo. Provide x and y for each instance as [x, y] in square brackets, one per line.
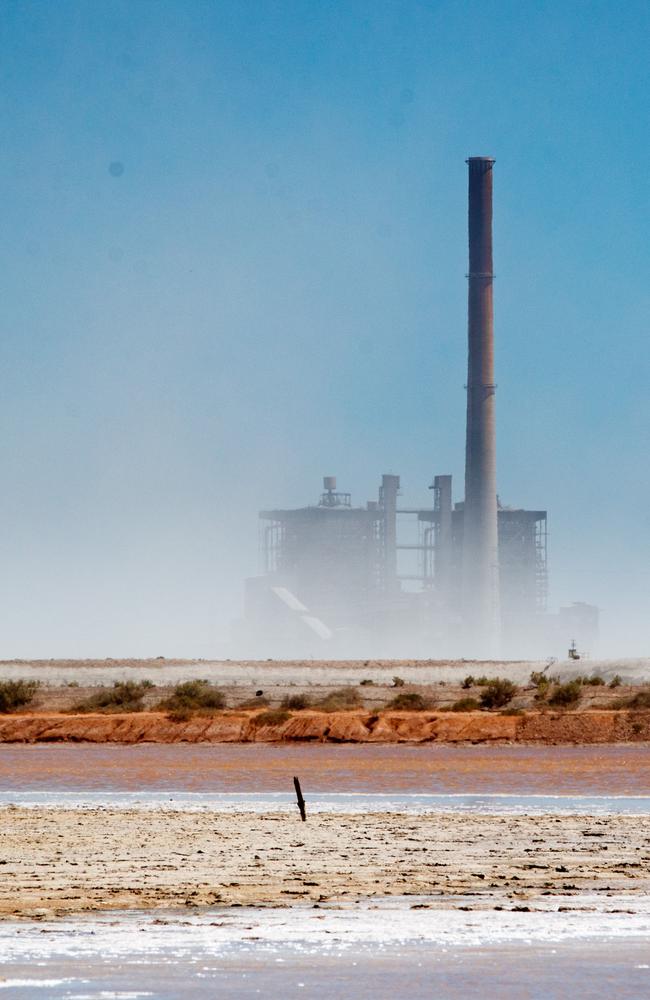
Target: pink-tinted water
[589, 770]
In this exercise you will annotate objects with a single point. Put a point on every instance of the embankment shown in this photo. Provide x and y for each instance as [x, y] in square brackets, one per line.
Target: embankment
[340, 727]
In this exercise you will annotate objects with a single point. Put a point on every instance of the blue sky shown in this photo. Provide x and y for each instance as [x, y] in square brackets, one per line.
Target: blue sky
[270, 287]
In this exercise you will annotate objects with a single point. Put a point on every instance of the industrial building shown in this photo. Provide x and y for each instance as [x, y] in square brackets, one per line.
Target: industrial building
[466, 578]
[348, 575]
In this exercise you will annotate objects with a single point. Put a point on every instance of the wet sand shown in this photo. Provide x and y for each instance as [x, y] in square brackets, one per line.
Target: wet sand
[59, 861]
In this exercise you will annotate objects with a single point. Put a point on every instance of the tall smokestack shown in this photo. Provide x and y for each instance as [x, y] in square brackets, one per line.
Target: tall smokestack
[480, 539]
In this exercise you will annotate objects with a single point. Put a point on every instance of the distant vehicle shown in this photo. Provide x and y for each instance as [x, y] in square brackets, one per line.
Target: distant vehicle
[573, 651]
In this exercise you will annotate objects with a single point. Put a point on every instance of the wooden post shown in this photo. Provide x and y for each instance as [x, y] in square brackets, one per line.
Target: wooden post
[301, 801]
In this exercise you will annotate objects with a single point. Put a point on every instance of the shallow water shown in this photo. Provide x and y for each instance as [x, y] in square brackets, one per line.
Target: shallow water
[334, 802]
[368, 950]
[373, 949]
[611, 770]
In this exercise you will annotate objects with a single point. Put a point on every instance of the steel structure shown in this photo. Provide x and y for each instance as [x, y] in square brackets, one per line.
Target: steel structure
[349, 565]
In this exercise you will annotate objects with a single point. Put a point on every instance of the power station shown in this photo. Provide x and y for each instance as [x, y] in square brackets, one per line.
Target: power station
[452, 579]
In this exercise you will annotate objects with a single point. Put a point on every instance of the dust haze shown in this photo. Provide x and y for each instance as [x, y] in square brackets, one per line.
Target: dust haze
[225, 285]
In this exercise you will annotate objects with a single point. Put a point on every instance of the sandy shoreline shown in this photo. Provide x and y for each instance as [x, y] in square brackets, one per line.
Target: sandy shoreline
[59, 861]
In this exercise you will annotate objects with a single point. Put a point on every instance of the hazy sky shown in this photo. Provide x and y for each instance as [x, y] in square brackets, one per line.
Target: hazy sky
[233, 260]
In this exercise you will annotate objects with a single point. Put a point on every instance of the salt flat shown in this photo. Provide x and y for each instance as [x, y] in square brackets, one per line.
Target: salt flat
[61, 861]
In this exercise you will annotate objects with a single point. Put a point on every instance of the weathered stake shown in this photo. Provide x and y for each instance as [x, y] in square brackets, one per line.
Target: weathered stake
[301, 801]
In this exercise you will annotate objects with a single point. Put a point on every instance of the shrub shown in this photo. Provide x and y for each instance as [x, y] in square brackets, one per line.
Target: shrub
[616, 681]
[542, 682]
[467, 682]
[498, 693]
[566, 694]
[593, 681]
[398, 682]
[180, 715]
[512, 711]
[639, 700]
[15, 694]
[339, 700]
[482, 681]
[254, 703]
[274, 717]
[366, 682]
[194, 695]
[465, 705]
[410, 701]
[296, 702]
[124, 696]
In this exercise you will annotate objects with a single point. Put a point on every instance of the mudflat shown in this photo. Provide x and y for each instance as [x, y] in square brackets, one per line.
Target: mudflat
[59, 861]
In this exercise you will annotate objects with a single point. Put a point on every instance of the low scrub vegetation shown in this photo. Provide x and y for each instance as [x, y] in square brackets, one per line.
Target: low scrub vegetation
[124, 696]
[180, 715]
[409, 701]
[296, 702]
[15, 694]
[255, 702]
[340, 700]
[639, 700]
[398, 682]
[498, 693]
[616, 681]
[543, 682]
[194, 696]
[566, 695]
[465, 705]
[274, 717]
[468, 682]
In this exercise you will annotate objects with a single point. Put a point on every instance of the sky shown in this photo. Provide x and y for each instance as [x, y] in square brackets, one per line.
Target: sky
[233, 254]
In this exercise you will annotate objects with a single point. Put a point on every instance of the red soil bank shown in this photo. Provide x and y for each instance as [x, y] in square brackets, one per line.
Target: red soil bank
[340, 727]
